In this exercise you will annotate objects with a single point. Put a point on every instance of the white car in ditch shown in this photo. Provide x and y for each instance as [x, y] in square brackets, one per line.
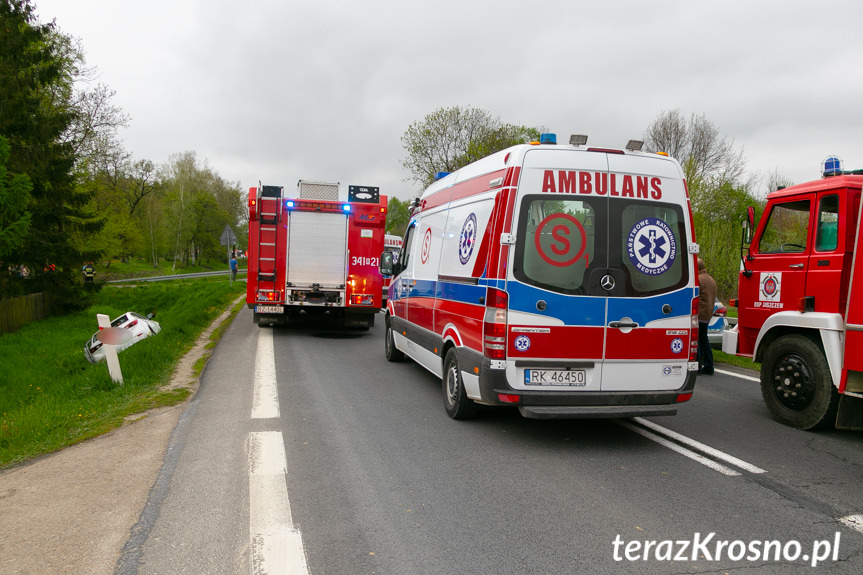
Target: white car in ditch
[138, 326]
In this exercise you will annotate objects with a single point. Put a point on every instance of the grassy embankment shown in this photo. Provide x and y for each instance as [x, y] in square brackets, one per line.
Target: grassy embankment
[51, 397]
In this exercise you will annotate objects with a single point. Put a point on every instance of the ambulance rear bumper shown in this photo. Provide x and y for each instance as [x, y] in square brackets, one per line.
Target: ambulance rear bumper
[582, 405]
[595, 412]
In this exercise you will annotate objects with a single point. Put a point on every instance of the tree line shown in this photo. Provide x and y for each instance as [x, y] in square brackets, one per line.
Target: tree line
[69, 191]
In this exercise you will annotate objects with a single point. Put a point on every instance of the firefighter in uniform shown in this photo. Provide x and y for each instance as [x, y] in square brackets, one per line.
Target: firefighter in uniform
[89, 272]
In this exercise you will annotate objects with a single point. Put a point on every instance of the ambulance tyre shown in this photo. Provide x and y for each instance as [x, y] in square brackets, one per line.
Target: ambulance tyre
[796, 383]
[455, 400]
[392, 353]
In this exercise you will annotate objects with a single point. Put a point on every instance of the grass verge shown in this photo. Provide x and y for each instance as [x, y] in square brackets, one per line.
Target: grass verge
[51, 397]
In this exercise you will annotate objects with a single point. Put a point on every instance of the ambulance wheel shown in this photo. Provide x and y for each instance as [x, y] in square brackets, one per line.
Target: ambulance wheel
[455, 400]
[796, 383]
[392, 353]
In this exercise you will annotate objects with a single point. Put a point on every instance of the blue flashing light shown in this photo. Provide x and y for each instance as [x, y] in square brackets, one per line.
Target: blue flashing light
[346, 207]
[548, 138]
[440, 175]
[289, 203]
[832, 166]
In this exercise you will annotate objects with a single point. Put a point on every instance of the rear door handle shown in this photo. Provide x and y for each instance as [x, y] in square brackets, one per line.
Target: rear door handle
[796, 266]
[622, 324]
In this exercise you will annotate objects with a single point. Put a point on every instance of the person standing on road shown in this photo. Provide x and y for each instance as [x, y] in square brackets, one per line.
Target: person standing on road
[706, 301]
[233, 267]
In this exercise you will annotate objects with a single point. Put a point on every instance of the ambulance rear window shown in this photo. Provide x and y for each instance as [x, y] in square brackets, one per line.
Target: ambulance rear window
[557, 243]
[563, 243]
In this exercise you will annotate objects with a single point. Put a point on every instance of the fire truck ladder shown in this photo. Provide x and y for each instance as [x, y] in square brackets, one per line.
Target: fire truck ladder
[268, 237]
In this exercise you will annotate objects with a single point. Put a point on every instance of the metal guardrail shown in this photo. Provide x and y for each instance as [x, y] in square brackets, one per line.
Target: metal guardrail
[177, 277]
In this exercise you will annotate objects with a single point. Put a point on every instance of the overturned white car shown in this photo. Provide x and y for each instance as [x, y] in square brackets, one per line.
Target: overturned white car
[138, 326]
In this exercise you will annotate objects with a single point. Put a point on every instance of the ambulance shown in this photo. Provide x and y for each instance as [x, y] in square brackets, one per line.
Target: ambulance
[559, 279]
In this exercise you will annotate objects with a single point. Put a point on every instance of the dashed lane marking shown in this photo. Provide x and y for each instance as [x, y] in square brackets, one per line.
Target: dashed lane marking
[276, 545]
[265, 397]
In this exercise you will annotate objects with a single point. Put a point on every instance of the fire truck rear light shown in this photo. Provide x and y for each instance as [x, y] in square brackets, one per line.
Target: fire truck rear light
[362, 299]
[681, 397]
[508, 398]
[806, 304]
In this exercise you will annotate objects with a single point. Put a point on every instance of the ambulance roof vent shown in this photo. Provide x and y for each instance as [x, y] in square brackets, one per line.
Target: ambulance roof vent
[831, 166]
[634, 145]
[548, 138]
[578, 139]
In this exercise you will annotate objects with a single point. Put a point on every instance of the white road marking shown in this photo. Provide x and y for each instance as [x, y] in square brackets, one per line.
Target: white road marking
[740, 375]
[265, 396]
[701, 447]
[276, 545]
[855, 522]
[679, 449]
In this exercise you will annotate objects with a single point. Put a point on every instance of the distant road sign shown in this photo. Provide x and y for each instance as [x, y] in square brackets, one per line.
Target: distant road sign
[228, 238]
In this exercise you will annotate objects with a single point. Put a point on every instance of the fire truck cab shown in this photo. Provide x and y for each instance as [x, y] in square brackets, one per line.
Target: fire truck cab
[800, 301]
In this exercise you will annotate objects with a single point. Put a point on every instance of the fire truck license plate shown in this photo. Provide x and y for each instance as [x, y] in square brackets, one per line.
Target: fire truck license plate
[268, 309]
[571, 377]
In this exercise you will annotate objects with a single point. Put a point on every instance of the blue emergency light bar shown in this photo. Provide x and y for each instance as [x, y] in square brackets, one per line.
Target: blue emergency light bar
[289, 203]
[832, 166]
[346, 207]
[548, 138]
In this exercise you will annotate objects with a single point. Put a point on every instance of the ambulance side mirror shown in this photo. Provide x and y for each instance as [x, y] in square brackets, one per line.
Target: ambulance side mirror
[387, 265]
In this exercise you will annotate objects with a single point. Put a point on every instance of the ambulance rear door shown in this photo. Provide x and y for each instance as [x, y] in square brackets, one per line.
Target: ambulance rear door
[648, 321]
[602, 292]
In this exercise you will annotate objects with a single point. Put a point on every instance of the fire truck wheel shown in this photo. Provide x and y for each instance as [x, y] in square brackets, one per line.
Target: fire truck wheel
[392, 353]
[455, 400]
[796, 383]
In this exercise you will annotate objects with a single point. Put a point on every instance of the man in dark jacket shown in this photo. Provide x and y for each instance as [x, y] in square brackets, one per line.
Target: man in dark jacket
[706, 301]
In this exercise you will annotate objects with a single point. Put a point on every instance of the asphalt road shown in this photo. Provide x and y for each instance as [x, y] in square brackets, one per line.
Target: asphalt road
[375, 478]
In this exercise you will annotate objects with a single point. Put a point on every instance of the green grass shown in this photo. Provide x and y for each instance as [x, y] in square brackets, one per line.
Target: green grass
[720, 357]
[51, 397]
[139, 267]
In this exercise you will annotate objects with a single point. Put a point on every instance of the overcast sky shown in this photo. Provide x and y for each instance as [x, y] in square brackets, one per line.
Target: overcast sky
[282, 90]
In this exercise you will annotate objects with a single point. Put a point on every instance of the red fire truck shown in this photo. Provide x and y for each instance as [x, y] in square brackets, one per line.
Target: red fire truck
[315, 254]
[800, 301]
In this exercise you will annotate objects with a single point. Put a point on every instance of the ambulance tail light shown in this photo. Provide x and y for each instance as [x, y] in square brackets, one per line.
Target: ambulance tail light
[494, 324]
[681, 397]
[693, 331]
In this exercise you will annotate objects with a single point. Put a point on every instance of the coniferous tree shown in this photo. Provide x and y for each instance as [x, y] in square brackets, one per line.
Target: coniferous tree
[37, 71]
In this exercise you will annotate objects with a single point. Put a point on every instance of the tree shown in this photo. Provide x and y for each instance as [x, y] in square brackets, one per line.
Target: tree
[398, 216]
[450, 138]
[14, 197]
[705, 155]
[37, 72]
